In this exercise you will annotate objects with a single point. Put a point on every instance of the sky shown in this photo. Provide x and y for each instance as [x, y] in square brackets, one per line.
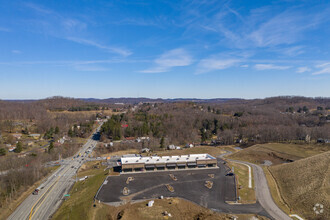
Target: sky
[164, 49]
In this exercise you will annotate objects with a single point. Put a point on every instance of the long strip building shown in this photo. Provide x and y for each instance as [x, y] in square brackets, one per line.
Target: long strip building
[138, 163]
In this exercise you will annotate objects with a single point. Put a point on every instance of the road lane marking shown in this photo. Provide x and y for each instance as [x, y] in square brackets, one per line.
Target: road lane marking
[90, 141]
[46, 193]
[296, 216]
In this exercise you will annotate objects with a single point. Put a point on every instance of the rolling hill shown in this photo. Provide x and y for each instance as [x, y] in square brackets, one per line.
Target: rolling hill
[304, 183]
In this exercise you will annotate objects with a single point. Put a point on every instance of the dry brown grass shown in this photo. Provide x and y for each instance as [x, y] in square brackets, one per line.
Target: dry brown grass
[122, 152]
[247, 195]
[304, 183]
[179, 209]
[214, 151]
[278, 153]
[87, 113]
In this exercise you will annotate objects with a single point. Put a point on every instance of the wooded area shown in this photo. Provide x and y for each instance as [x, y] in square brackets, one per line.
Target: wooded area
[238, 121]
[22, 168]
[241, 122]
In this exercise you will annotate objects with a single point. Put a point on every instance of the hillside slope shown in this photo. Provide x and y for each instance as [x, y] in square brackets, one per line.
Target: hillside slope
[278, 153]
[305, 183]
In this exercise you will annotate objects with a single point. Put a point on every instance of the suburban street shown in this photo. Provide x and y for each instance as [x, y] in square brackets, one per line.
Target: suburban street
[53, 189]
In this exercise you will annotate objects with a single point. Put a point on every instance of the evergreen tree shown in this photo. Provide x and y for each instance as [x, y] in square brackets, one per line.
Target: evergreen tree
[50, 147]
[162, 142]
[57, 130]
[19, 148]
[3, 152]
[305, 109]
[203, 134]
[70, 133]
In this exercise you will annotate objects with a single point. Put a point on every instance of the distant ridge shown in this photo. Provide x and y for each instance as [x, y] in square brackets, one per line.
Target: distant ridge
[288, 100]
[159, 100]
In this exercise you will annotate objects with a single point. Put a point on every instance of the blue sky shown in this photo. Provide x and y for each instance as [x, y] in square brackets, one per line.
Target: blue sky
[166, 49]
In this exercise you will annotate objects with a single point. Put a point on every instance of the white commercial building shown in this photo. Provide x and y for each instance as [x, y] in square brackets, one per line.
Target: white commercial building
[138, 163]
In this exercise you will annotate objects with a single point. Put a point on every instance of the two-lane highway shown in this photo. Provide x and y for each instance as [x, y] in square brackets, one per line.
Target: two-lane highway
[53, 189]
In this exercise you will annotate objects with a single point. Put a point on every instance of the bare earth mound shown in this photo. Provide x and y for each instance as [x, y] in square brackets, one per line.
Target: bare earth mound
[179, 209]
[305, 183]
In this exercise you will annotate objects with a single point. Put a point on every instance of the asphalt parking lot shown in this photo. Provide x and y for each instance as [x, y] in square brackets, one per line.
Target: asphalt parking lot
[190, 185]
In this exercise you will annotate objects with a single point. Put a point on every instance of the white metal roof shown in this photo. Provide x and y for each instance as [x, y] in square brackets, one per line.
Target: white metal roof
[166, 159]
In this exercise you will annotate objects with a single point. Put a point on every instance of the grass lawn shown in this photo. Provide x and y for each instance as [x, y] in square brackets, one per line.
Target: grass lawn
[246, 194]
[80, 203]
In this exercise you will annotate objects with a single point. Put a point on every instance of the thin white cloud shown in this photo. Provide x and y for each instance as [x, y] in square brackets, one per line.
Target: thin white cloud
[292, 51]
[264, 27]
[244, 66]
[286, 28]
[71, 24]
[54, 20]
[212, 64]
[16, 51]
[136, 21]
[38, 8]
[89, 68]
[173, 58]
[71, 62]
[270, 67]
[117, 50]
[303, 69]
[324, 69]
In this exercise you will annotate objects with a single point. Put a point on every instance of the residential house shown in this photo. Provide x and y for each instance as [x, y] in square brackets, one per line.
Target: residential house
[17, 135]
[35, 136]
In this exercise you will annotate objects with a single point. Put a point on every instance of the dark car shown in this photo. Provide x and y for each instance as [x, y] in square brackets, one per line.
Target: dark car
[36, 191]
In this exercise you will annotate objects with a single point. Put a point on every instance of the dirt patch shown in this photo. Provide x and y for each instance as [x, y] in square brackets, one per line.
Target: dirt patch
[178, 208]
